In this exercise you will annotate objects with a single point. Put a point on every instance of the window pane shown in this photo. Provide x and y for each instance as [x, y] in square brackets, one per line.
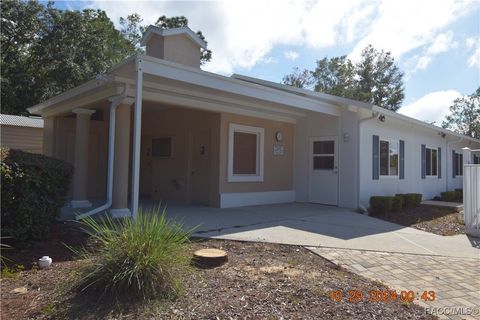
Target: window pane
[428, 159]
[384, 158]
[162, 147]
[244, 153]
[434, 162]
[393, 159]
[324, 147]
[460, 156]
[323, 162]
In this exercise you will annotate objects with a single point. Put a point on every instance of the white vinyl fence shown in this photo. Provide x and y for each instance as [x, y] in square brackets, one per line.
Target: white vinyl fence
[471, 198]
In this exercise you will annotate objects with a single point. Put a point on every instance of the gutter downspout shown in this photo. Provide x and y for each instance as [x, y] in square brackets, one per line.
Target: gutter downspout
[446, 159]
[115, 101]
[373, 116]
[137, 132]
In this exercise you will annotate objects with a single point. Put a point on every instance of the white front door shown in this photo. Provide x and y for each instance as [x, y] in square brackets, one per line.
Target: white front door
[323, 170]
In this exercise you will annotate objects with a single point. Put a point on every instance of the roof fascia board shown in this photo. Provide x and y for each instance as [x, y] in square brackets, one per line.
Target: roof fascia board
[72, 93]
[171, 32]
[309, 93]
[226, 100]
[161, 68]
[82, 101]
[421, 123]
[196, 102]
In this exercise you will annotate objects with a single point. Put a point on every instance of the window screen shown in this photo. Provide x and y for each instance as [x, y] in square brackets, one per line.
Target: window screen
[162, 147]
[245, 153]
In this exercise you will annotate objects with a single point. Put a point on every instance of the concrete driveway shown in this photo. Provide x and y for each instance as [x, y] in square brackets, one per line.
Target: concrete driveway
[314, 225]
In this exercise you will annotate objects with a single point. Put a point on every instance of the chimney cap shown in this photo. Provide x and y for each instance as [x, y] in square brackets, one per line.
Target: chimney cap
[151, 30]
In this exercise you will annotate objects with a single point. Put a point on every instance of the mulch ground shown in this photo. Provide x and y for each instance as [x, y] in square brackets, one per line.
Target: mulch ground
[438, 220]
[260, 281]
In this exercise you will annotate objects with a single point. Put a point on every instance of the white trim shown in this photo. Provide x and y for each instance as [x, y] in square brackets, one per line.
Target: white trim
[240, 199]
[260, 133]
[352, 105]
[175, 71]
[431, 162]
[172, 32]
[390, 141]
[137, 133]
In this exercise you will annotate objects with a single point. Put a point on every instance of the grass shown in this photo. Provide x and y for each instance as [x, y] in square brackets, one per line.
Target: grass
[129, 258]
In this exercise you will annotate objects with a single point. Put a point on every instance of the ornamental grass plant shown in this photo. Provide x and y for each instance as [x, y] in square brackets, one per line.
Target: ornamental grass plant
[143, 258]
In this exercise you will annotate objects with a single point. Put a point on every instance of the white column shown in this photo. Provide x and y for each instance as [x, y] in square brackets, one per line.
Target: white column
[467, 155]
[137, 131]
[121, 163]
[80, 176]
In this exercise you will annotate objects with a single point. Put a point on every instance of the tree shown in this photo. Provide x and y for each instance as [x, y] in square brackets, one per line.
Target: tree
[375, 78]
[299, 78]
[132, 30]
[335, 76]
[464, 116]
[379, 80]
[46, 51]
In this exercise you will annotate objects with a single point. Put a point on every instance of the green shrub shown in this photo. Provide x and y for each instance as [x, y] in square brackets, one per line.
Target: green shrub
[412, 200]
[397, 204]
[449, 196]
[34, 188]
[380, 205]
[459, 194]
[403, 196]
[140, 258]
[418, 199]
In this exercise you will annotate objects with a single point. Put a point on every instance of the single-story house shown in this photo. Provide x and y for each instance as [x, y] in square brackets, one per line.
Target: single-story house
[158, 127]
[23, 133]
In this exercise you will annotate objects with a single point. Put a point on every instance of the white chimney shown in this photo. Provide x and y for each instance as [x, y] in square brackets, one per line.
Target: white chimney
[179, 45]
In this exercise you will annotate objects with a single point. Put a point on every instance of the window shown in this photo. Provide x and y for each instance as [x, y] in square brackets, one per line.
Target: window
[458, 161]
[388, 158]
[162, 147]
[431, 162]
[245, 153]
[323, 155]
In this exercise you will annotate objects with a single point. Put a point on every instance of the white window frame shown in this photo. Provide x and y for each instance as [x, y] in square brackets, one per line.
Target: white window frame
[172, 147]
[460, 165]
[260, 132]
[431, 162]
[379, 158]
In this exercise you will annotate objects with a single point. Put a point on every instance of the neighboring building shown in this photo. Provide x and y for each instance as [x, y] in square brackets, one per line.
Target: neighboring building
[183, 135]
[24, 133]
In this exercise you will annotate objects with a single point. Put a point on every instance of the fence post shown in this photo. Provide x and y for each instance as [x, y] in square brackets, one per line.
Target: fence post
[467, 155]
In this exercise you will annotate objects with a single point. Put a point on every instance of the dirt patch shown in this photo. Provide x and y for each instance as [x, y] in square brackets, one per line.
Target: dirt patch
[260, 281]
[438, 220]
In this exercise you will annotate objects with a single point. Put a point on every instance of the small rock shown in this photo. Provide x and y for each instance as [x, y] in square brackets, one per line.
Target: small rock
[19, 290]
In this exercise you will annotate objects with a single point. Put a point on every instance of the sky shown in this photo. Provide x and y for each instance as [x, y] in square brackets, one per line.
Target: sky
[436, 43]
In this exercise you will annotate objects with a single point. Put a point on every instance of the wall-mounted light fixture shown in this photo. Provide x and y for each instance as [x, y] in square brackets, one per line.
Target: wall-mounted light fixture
[381, 118]
[442, 134]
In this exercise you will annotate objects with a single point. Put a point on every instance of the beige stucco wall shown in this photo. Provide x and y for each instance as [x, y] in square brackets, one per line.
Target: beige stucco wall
[278, 170]
[175, 48]
[170, 179]
[23, 138]
[64, 149]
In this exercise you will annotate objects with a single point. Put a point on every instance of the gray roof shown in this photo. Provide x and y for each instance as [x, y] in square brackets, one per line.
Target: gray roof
[19, 121]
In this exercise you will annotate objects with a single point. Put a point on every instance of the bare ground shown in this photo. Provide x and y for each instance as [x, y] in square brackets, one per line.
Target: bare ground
[260, 281]
[438, 220]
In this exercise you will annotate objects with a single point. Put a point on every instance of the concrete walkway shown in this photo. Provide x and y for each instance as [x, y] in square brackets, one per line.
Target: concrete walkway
[403, 258]
[319, 226]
